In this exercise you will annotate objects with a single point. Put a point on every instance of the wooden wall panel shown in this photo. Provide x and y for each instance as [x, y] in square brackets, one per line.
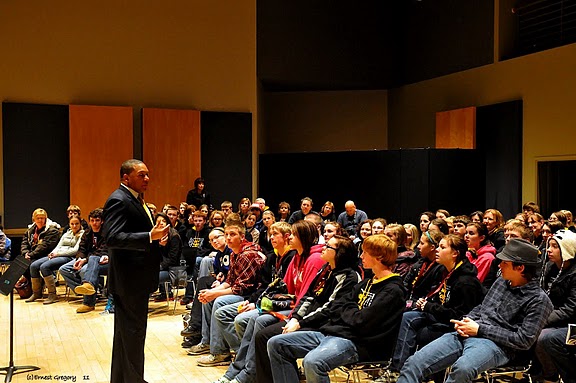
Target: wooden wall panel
[456, 129]
[171, 150]
[100, 140]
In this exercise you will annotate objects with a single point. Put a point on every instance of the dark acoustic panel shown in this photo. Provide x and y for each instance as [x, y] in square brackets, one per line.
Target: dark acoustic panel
[499, 139]
[450, 186]
[330, 176]
[36, 162]
[414, 180]
[394, 184]
[226, 155]
[556, 185]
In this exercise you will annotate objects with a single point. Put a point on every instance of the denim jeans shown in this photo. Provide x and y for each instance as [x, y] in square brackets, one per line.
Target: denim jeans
[206, 266]
[225, 324]
[412, 322]
[321, 353]
[210, 333]
[249, 323]
[552, 344]
[88, 273]
[44, 266]
[467, 356]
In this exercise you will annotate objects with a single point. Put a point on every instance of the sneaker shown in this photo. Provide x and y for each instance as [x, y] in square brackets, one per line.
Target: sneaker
[189, 305]
[199, 349]
[84, 309]
[186, 319]
[189, 331]
[85, 289]
[222, 380]
[185, 301]
[214, 360]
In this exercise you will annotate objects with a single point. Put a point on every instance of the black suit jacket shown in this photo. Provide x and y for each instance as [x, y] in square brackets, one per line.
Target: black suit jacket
[134, 261]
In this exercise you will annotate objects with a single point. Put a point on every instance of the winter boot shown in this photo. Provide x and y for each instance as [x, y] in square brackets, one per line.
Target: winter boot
[51, 285]
[36, 290]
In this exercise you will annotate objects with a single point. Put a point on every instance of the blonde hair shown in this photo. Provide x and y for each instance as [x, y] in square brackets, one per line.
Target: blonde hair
[38, 212]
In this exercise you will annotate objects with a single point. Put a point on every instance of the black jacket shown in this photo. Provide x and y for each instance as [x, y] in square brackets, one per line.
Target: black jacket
[47, 240]
[369, 316]
[328, 285]
[562, 293]
[134, 260]
[463, 292]
[419, 287]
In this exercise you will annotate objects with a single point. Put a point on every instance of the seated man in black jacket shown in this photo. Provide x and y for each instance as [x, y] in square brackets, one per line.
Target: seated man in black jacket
[363, 325]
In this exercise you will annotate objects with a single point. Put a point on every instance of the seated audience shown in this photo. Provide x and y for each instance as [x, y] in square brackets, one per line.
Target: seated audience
[226, 208]
[216, 219]
[442, 214]
[5, 246]
[74, 211]
[283, 211]
[426, 273]
[364, 231]
[244, 207]
[336, 279]
[45, 267]
[569, 222]
[38, 241]
[257, 211]
[305, 209]
[460, 223]
[350, 218]
[195, 246]
[268, 219]
[251, 230]
[535, 222]
[560, 217]
[559, 282]
[405, 258]
[477, 216]
[81, 275]
[331, 229]
[513, 228]
[243, 279]
[363, 325]
[327, 212]
[425, 219]
[378, 225]
[480, 250]
[492, 333]
[412, 236]
[171, 252]
[494, 222]
[213, 272]
[299, 275]
[439, 224]
[457, 293]
[242, 368]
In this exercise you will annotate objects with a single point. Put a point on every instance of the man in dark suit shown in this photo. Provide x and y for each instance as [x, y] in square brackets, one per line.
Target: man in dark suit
[134, 257]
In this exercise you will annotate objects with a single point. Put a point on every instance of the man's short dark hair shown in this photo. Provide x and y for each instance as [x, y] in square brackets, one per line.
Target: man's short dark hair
[96, 213]
[128, 166]
[530, 271]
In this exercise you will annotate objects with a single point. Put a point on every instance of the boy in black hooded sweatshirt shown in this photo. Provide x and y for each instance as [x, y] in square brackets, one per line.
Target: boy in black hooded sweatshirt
[363, 325]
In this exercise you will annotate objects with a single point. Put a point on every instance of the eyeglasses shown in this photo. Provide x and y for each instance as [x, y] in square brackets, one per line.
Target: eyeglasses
[326, 246]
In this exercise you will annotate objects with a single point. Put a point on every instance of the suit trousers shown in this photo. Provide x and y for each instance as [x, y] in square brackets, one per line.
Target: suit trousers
[130, 320]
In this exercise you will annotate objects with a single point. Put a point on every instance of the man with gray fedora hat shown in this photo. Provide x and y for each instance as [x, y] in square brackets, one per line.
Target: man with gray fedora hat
[508, 320]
